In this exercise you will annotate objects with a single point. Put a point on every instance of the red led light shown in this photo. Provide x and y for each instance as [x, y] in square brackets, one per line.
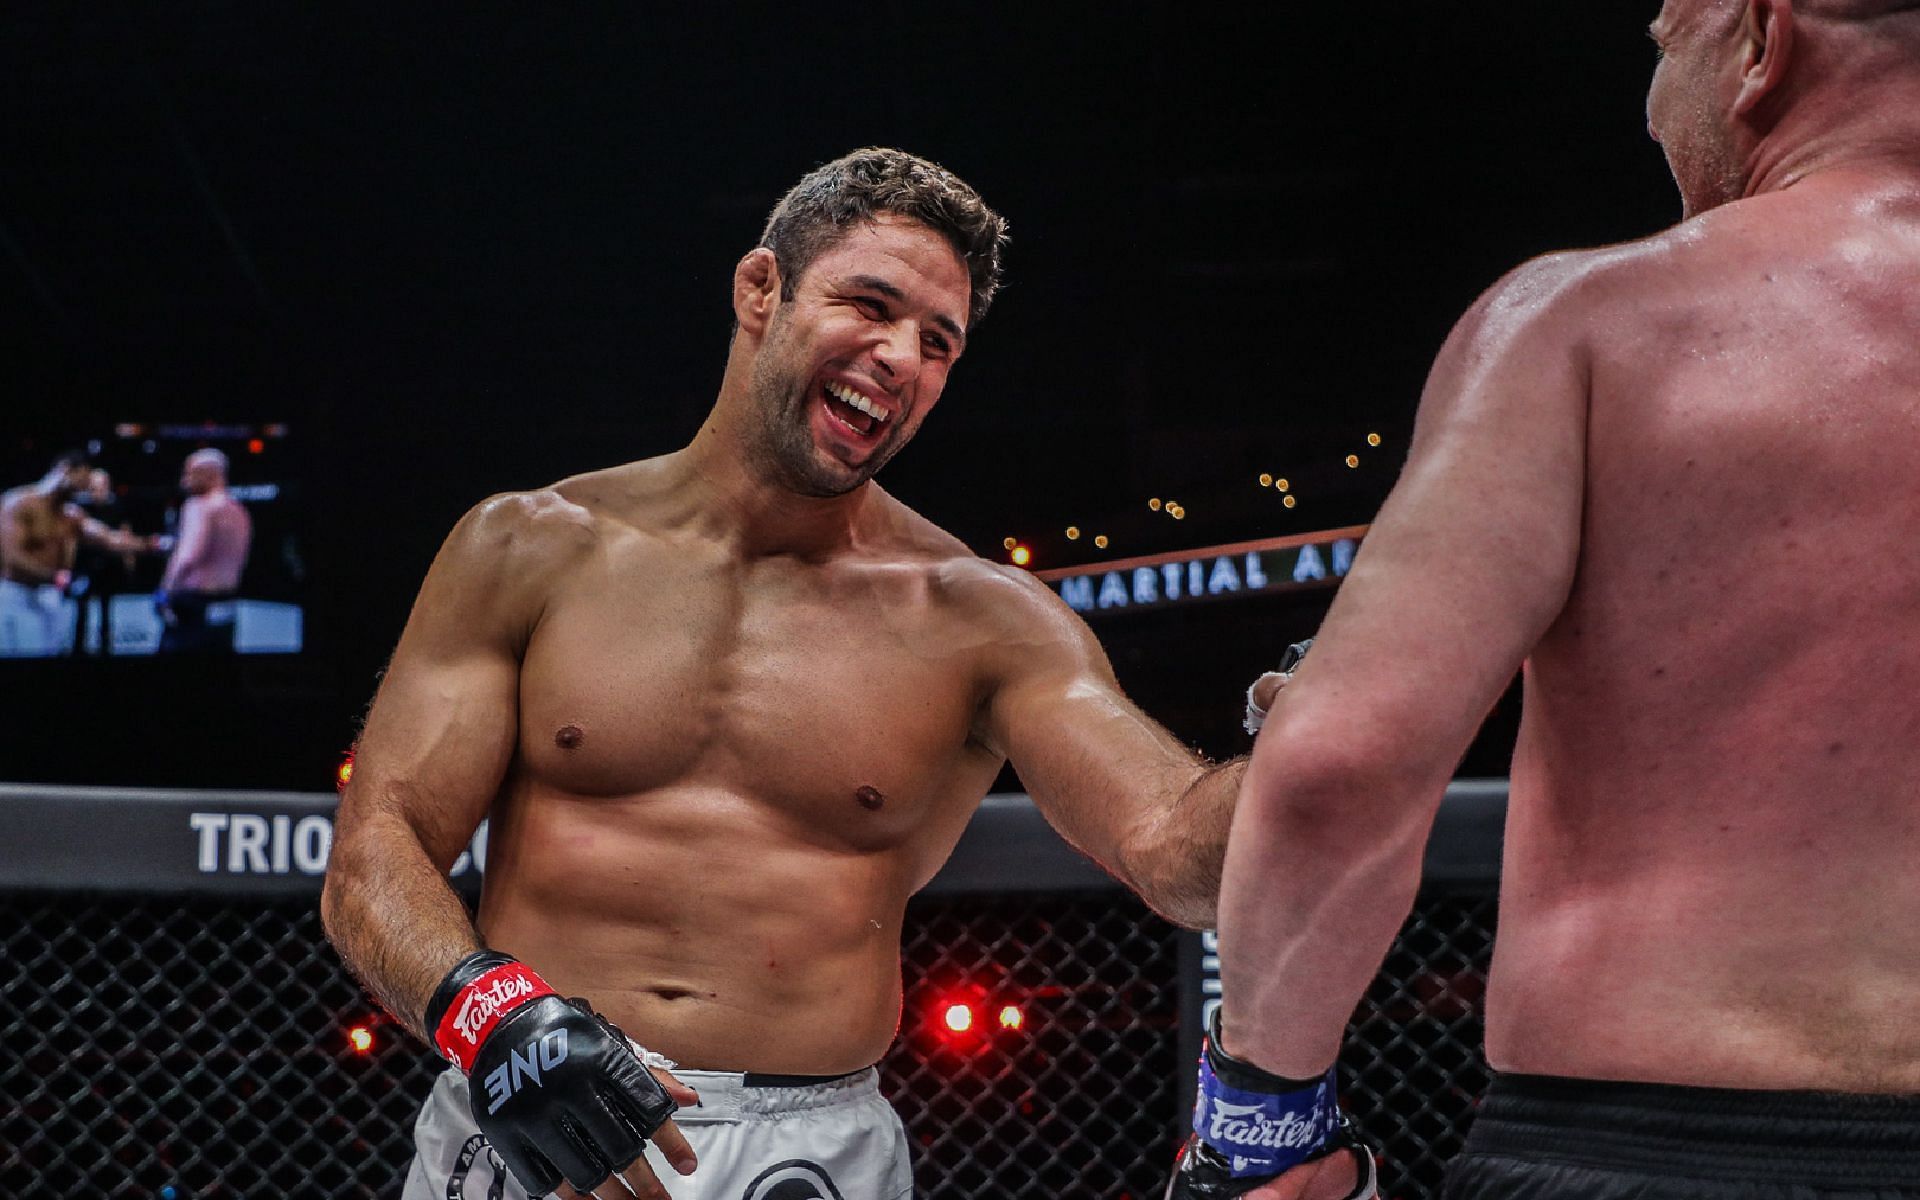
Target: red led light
[958, 1017]
[361, 1039]
[1011, 1017]
[256, 446]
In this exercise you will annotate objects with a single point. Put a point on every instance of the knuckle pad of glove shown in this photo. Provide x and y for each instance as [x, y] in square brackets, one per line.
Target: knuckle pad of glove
[540, 1089]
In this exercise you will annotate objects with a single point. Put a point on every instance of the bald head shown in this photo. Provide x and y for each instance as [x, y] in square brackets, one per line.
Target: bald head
[204, 471]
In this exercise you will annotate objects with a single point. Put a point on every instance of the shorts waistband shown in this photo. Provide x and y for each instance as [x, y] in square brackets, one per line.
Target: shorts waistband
[1817, 1139]
[751, 1095]
[755, 1079]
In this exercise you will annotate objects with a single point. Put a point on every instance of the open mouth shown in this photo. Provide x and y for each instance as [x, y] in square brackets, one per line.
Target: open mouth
[855, 411]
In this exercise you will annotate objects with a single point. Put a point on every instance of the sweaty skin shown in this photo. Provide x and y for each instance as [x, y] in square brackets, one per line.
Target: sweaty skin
[1677, 478]
[727, 712]
[1715, 825]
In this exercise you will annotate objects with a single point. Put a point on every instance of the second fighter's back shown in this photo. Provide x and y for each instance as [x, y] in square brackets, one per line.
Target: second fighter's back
[1716, 793]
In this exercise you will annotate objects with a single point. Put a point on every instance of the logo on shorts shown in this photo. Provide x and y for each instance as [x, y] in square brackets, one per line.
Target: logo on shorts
[795, 1179]
[480, 1005]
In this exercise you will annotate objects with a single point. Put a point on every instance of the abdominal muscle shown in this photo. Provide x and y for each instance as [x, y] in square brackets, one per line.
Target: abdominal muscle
[705, 925]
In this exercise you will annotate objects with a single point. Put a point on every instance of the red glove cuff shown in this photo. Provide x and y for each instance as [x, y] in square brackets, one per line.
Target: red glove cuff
[483, 1004]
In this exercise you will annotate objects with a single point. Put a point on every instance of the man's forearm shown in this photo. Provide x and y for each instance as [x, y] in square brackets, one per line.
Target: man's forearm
[396, 923]
[1317, 884]
[1176, 861]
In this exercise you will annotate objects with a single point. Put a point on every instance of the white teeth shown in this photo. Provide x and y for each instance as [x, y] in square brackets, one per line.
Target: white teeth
[853, 399]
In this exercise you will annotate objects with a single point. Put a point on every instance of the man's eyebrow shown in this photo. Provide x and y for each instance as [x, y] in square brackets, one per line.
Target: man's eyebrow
[877, 284]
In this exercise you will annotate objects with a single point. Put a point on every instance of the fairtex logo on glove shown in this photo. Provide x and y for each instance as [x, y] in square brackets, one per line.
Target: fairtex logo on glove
[1263, 1133]
[480, 1006]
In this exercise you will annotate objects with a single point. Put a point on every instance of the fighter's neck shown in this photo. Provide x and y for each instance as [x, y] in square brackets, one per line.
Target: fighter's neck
[1881, 137]
[735, 500]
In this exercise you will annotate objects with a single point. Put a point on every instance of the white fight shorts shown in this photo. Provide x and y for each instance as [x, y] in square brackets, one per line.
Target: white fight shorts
[36, 621]
[837, 1140]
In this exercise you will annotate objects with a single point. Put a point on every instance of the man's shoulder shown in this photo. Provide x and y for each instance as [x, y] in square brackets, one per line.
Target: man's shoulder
[540, 527]
[999, 593]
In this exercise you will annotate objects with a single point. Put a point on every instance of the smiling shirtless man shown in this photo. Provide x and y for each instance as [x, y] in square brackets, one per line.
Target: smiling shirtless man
[727, 710]
[1680, 478]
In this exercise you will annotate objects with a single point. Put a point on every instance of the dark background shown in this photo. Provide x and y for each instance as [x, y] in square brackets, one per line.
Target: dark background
[464, 249]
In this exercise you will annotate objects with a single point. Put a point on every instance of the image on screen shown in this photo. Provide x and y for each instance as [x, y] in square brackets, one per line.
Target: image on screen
[152, 539]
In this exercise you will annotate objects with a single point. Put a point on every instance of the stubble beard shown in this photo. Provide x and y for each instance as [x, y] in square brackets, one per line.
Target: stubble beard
[782, 440]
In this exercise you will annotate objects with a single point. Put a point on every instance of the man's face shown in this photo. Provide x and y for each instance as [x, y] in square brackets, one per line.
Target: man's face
[1690, 103]
[849, 368]
[73, 481]
[198, 478]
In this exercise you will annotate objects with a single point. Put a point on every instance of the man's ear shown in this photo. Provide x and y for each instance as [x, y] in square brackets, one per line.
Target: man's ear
[756, 290]
[1766, 51]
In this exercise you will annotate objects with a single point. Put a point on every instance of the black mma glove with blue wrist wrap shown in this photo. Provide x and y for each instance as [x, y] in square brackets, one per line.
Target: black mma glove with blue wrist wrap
[1251, 1126]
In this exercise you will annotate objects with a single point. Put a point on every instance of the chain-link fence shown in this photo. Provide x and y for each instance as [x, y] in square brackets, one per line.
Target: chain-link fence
[198, 1048]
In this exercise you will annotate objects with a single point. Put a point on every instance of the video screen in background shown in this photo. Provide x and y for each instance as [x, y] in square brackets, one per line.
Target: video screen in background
[152, 539]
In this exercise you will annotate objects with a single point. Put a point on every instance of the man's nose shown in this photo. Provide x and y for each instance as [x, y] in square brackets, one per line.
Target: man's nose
[898, 350]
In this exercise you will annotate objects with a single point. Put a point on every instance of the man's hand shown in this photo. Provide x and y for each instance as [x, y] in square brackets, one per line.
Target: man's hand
[555, 1087]
[1266, 689]
[1338, 1177]
[1258, 1135]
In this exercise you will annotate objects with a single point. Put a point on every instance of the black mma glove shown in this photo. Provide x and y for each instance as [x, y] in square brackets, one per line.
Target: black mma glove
[554, 1085]
[1251, 1126]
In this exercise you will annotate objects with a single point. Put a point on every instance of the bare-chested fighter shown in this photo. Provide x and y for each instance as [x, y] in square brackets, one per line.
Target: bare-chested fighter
[1680, 478]
[40, 528]
[728, 709]
[210, 549]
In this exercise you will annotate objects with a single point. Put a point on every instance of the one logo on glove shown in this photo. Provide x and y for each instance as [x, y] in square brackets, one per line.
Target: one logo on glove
[481, 1005]
[1264, 1133]
[523, 1067]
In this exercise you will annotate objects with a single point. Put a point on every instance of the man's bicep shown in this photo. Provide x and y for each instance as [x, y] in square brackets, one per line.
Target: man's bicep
[1474, 552]
[1095, 765]
[442, 728]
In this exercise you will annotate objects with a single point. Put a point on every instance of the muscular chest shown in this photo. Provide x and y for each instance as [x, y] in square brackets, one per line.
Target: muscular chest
[829, 694]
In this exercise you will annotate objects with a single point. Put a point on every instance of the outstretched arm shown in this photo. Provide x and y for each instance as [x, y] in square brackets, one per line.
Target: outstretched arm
[1113, 781]
[1469, 563]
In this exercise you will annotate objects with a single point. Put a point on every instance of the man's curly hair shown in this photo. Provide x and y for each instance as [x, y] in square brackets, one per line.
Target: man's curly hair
[833, 199]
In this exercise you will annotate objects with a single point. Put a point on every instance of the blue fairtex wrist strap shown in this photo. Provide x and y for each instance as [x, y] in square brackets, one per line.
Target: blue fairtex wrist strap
[1263, 1133]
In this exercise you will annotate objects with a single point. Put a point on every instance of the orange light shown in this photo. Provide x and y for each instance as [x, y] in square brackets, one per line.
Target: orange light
[1073, 533]
[344, 772]
[1154, 504]
[1009, 543]
[1101, 541]
[1353, 460]
[1021, 556]
[1266, 480]
[1281, 485]
[1373, 439]
[361, 1039]
[958, 1018]
[1010, 1018]
[1289, 502]
[256, 446]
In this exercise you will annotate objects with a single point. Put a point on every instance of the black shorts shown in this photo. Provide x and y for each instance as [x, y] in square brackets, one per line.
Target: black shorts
[1582, 1139]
